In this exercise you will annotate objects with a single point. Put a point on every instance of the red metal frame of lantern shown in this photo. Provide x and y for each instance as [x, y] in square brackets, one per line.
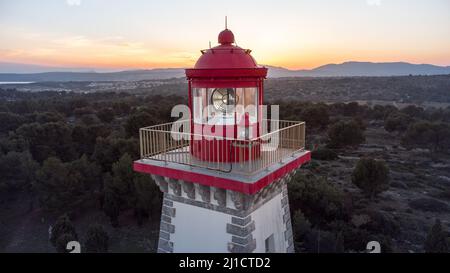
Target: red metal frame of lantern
[225, 66]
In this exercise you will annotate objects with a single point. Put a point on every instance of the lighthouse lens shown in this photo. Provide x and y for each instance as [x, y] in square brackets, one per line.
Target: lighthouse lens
[223, 97]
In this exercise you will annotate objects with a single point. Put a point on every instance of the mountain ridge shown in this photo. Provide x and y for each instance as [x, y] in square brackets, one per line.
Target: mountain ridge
[346, 69]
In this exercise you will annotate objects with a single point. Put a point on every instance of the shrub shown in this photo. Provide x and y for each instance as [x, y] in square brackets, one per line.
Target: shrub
[322, 241]
[324, 153]
[437, 240]
[371, 176]
[396, 121]
[316, 116]
[381, 223]
[97, 239]
[344, 134]
[424, 134]
[413, 111]
[63, 225]
[317, 199]
[63, 240]
[301, 225]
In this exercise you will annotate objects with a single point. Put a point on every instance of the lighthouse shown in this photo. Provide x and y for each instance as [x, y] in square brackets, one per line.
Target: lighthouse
[224, 170]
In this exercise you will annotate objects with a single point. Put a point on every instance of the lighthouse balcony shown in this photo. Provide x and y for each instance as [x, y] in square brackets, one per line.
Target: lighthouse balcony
[172, 150]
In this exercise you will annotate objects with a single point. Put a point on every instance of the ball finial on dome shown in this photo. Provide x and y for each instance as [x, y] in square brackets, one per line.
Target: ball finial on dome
[226, 37]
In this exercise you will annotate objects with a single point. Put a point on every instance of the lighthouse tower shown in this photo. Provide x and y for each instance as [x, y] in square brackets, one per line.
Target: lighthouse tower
[224, 170]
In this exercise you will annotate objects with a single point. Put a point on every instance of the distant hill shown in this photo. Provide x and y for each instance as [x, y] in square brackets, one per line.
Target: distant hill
[20, 68]
[131, 75]
[346, 69]
[349, 69]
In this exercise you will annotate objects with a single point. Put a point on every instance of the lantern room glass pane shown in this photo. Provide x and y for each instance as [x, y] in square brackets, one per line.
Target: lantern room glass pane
[223, 105]
[248, 100]
[199, 102]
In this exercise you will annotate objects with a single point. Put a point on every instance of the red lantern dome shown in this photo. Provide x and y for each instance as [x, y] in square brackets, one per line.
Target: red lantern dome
[226, 55]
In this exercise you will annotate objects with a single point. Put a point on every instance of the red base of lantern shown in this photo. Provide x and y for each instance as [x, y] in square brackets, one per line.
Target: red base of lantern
[225, 150]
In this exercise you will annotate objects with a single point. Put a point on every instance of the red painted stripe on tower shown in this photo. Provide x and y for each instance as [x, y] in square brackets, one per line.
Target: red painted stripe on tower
[220, 182]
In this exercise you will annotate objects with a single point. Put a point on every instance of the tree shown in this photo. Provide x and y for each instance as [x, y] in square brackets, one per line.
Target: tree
[323, 241]
[62, 226]
[81, 111]
[352, 109]
[358, 120]
[109, 150]
[318, 200]
[423, 134]
[413, 111]
[45, 117]
[344, 134]
[59, 188]
[123, 180]
[17, 171]
[106, 115]
[381, 112]
[111, 205]
[48, 139]
[126, 189]
[396, 121]
[10, 121]
[97, 239]
[90, 119]
[316, 116]
[121, 108]
[62, 241]
[301, 225]
[84, 141]
[85, 137]
[371, 176]
[148, 197]
[87, 172]
[137, 121]
[437, 240]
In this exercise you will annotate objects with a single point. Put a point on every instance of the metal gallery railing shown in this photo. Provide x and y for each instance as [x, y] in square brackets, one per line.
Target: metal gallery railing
[174, 142]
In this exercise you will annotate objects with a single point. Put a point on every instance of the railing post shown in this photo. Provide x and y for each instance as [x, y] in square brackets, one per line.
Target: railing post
[141, 143]
[303, 135]
[164, 148]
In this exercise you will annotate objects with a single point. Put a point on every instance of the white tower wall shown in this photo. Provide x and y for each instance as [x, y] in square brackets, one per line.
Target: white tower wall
[199, 218]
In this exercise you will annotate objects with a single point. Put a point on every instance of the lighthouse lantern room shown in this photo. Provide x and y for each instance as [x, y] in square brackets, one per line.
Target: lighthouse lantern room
[224, 170]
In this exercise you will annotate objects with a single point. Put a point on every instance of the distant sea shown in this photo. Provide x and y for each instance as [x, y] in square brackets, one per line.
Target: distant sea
[15, 82]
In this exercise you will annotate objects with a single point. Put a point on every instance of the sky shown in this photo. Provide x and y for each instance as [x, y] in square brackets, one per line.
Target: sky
[296, 34]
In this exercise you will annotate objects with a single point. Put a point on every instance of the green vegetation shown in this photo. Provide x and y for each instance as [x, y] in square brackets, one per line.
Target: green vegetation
[317, 199]
[437, 240]
[97, 239]
[63, 232]
[396, 121]
[73, 153]
[344, 134]
[371, 176]
[323, 153]
[430, 135]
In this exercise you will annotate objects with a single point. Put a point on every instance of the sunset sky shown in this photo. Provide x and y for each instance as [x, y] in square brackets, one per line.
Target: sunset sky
[298, 34]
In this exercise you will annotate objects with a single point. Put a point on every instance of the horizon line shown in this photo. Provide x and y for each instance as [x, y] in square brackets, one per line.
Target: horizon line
[100, 69]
